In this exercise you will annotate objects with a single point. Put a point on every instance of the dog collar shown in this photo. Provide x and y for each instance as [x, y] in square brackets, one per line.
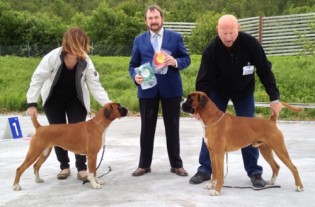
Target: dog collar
[206, 126]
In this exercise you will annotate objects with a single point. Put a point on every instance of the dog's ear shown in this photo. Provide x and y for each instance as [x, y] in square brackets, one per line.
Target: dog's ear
[203, 101]
[107, 113]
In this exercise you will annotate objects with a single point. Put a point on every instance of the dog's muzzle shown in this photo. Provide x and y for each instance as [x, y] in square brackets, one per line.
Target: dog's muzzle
[185, 106]
[123, 111]
[182, 102]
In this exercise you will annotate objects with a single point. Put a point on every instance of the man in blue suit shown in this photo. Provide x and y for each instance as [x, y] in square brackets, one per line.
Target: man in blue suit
[168, 90]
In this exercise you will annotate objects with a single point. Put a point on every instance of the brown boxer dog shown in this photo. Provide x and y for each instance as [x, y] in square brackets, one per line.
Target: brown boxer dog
[225, 132]
[84, 137]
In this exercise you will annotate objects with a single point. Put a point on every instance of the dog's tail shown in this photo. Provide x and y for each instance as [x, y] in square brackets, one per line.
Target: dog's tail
[35, 122]
[292, 108]
[288, 106]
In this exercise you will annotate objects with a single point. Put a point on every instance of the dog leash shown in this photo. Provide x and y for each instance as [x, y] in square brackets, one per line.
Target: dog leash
[109, 168]
[101, 157]
[252, 187]
[244, 187]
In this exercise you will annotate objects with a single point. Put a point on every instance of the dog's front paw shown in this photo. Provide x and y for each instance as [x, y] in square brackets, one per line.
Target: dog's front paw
[299, 189]
[214, 193]
[96, 186]
[39, 180]
[17, 187]
[210, 185]
[272, 181]
[98, 181]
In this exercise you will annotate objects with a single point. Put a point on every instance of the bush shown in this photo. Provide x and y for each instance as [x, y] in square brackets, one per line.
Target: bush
[203, 33]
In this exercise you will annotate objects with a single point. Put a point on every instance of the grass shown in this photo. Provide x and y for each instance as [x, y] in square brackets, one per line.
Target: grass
[294, 74]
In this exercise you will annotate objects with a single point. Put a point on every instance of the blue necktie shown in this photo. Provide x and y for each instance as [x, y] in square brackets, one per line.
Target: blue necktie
[155, 44]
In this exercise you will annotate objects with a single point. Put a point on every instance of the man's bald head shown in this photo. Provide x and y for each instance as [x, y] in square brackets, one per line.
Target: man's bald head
[227, 21]
[227, 29]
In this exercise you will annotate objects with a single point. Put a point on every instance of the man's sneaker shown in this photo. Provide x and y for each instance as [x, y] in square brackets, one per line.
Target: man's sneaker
[199, 177]
[258, 181]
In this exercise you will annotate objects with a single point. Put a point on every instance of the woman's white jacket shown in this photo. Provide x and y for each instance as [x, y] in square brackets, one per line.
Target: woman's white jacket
[47, 73]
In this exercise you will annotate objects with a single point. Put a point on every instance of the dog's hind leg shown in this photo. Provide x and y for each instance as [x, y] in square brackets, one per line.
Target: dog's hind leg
[266, 152]
[42, 158]
[281, 151]
[31, 157]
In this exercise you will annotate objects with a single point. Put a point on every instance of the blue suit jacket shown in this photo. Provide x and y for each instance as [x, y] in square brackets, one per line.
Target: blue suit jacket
[169, 84]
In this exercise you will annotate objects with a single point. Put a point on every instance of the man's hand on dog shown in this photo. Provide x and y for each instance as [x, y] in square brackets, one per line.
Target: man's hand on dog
[276, 108]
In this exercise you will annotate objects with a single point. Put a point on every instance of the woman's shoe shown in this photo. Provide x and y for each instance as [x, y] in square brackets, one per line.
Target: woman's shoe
[64, 174]
[82, 175]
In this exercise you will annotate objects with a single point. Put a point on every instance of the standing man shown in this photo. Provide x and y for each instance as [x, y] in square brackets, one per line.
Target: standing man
[168, 90]
[227, 71]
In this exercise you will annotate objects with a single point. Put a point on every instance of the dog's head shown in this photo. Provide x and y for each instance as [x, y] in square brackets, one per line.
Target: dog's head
[194, 103]
[114, 110]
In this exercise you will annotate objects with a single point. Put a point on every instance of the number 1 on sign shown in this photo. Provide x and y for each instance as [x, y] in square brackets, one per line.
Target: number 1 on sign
[16, 129]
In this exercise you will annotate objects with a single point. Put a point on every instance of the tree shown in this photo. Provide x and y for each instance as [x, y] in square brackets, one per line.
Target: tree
[28, 32]
[115, 23]
[300, 9]
[114, 30]
[11, 25]
[132, 9]
[203, 33]
[185, 10]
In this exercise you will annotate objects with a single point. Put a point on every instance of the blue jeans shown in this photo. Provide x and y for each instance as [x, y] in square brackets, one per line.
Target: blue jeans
[243, 107]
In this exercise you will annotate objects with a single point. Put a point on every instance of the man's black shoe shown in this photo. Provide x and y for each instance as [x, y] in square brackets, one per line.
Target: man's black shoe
[199, 177]
[258, 181]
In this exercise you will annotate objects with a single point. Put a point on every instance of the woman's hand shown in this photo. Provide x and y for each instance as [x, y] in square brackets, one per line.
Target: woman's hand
[32, 111]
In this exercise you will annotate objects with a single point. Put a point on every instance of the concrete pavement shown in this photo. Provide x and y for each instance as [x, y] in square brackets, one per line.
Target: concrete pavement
[160, 187]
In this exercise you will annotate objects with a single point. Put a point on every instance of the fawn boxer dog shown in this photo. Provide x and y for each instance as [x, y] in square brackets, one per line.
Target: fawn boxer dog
[81, 138]
[225, 132]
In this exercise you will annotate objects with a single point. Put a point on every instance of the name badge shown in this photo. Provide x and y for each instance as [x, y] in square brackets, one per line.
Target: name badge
[248, 70]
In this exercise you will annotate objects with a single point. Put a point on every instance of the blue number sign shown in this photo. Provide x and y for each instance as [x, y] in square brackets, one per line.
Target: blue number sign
[15, 127]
